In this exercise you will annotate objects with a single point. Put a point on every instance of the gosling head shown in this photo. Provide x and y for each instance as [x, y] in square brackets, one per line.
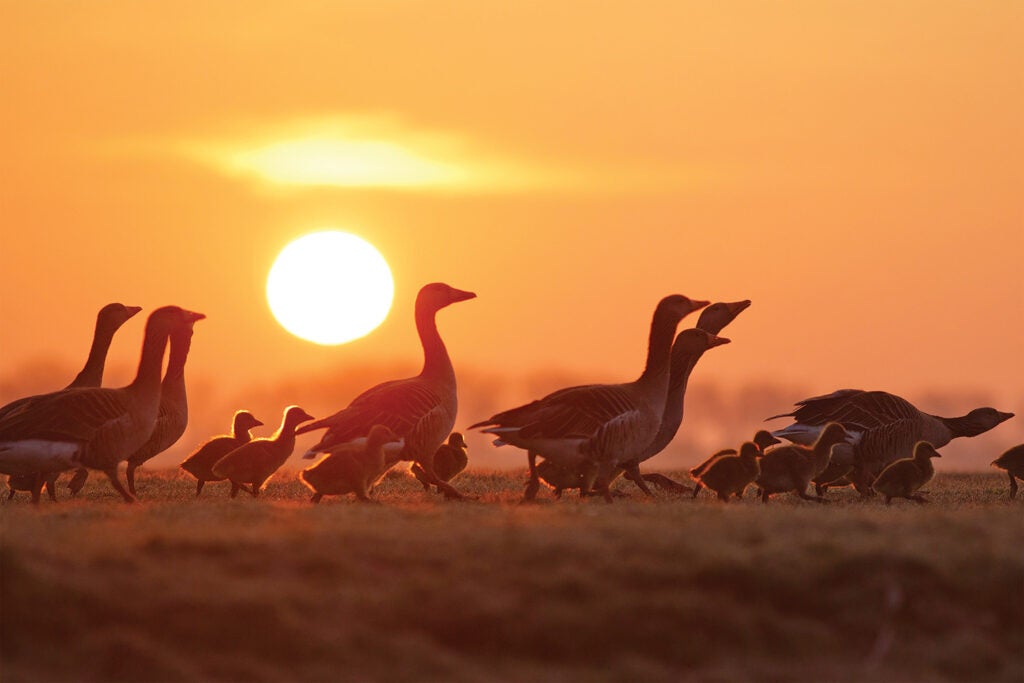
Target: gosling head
[763, 438]
[924, 450]
[456, 440]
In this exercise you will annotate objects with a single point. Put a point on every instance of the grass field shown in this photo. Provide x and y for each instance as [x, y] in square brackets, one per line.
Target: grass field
[417, 588]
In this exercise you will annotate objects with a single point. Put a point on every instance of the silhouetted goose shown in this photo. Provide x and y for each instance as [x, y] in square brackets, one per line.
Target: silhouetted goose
[902, 478]
[449, 460]
[598, 424]
[762, 439]
[351, 468]
[884, 427]
[1013, 462]
[200, 463]
[95, 427]
[421, 409]
[108, 321]
[792, 467]
[253, 463]
[728, 475]
[172, 419]
[688, 346]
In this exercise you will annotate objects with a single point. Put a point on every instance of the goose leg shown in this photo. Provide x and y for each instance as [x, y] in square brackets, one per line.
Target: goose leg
[234, 489]
[78, 481]
[316, 498]
[918, 499]
[633, 474]
[449, 491]
[10, 493]
[37, 487]
[533, 485]
[667, 484]
[199, 487]
[421, 476]
[116, 483]
[1013, 485]
[696, 489]
[129, 475]
[51, 488]
[764, 495]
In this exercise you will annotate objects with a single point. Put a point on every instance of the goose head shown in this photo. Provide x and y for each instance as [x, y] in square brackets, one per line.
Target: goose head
[244, 421]
[695, 340]
[763, 438]
[924, 450]
[675, 307]
[294, 415]
[112, 316]
[167, 318]
[718, 315]
[437, 295]
[980, 420]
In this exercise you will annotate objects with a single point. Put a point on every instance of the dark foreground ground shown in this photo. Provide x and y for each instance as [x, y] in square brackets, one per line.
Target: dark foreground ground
[418, 589]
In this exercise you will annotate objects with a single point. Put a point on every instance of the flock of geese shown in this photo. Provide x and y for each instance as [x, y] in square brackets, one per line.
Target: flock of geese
[581, 437]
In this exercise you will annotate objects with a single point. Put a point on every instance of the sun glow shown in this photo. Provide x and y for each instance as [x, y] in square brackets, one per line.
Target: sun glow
[330, 287]
[338, 162]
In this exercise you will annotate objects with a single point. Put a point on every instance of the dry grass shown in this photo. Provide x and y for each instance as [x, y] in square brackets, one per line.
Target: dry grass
[419, 589]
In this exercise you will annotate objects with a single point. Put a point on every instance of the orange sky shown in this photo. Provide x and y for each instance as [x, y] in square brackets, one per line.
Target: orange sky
[853, 168]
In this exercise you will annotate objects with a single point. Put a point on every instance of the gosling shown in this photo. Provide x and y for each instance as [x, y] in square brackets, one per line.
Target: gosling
[559, 478]
[1013, 462]
[762, 438]
[200, 463]
[255, 462]
[449, 460]
[792, 467]
[352, 468]
[902, 478]
[730, 474]
[840, 464]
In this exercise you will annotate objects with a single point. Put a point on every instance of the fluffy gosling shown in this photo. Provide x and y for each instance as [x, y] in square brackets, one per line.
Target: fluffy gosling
[352, 468]
[902, 478]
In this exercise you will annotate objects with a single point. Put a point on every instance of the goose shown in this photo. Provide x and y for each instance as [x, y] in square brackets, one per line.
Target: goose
[792, 467]
[712, 319]
[449, 460]
[884, 427]
[172, 419]
[902, 478]
[108, 321]
[1013, 462]
[688, 346]
[762, 439]
[420, 410]
[200, 463]
[92, 426]
[729, 475]
[253, 463]
[597, 425]
[352, 468]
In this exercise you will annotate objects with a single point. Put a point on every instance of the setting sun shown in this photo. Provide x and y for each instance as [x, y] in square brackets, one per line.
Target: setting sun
[330, 287]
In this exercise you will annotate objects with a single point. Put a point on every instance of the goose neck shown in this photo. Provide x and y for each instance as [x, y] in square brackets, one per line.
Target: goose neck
[92, 374]
[436, 363]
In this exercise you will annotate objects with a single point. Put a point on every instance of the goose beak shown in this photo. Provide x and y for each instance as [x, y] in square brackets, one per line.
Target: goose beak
[460, 295]
[192, 316]
[718, 341]
[132, 310]
[737, 307]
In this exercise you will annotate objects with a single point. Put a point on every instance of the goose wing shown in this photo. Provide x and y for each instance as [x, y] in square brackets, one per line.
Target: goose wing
[853, 408]
[577, 412]
[68, 415]
[406, 406]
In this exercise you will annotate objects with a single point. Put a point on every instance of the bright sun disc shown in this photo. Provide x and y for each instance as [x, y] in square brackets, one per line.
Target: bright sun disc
[330, 287]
